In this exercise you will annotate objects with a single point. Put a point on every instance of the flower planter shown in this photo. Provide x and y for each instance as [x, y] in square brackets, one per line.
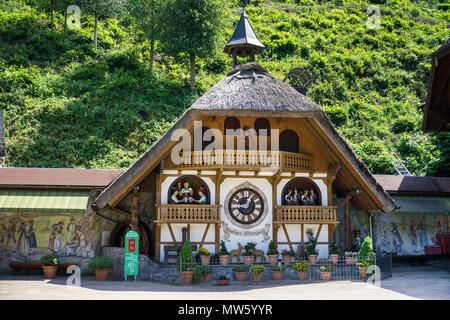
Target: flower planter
[240, 276]
[49, 271]
[302, 275]
[101, 274]
[312, 259]
[362, 272]
[325, 276]
[186, 277]
[287, 259]
[205, 260]
[224, 260]
[206, 278]
[222, 282]
[351, 260]
[248, 260]
[257, 277]
[277, 275]
[273, 259]
[334, 258]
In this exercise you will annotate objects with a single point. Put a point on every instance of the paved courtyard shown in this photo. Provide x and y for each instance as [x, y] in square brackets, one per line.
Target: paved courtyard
[408, 282]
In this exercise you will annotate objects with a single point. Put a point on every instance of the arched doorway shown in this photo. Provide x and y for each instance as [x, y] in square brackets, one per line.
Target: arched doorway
[197, 185]
[261, 124]
[301, 184]
[289, 141]
[231, 123]
[117, 237]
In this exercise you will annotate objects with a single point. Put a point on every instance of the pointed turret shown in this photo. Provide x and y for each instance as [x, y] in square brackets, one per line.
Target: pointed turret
[244, 42]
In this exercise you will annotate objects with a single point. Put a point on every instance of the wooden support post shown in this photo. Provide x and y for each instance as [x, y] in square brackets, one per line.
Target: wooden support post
[204, 235]
[331, 229]
[158, 242]
[217, 237]
[287, 237]
[347, 222]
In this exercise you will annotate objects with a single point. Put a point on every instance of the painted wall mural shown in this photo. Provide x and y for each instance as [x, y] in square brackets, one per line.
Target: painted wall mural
[408, 234]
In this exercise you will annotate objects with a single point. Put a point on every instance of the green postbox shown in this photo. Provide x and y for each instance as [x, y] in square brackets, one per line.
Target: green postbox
[131, 266]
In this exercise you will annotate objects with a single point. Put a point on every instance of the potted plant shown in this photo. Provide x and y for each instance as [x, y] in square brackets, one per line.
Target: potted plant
[240, 272]
[302, 269]
[366, 257]
[224, 255]
[185, 263]
[249, 253]
[351, 257]
[222, 281]
[203, 273]
[325, 271]
[311, 252]
[277, 271]
[273, 253]
[334, 253]
[101, 265]
[257, 272]
[50, 265]
[205, 255]
[288, 255]
[362, 268]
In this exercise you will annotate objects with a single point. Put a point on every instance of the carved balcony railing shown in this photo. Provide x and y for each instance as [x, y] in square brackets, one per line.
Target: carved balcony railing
[247, 159]
[187, 213]
[306, 214]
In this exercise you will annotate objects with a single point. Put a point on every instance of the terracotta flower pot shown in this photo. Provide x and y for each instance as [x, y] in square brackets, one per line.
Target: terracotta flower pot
[312, 259]
[206, 277]
[351, 260]
[362, 272]
[287, 259]
[277, 275]
[258, 277]
[273, 259]
[240, 276]
[248, 260]
[49, 271]
[224, 259]
[222, 282]
[325, 276]
[101, 274]
[334, 258]
[302, 275]
[186, 277]
[205, 260]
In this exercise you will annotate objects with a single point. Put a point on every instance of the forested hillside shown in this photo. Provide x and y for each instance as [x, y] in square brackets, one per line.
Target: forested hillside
[69, 103]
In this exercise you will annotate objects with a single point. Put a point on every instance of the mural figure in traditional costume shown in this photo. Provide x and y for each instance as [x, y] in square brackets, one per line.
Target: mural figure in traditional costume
[71, 226]
[413, 234]
[32, 235]
[421, 228]
[11, 235]
[305, 198]
[54, 243]
[397, 240]
[23, 245]
[312, 198]
[296, 198]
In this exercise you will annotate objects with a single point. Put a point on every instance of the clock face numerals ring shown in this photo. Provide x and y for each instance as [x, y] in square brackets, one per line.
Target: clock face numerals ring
[246, 206]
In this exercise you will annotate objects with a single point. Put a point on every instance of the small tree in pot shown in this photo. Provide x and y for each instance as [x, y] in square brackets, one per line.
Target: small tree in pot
[101, 265]
[249, 253]
[240, 272]
[50, 265]
[224, 255]
[277, 271]
[366, 257]
[273, 253]
[185, 263]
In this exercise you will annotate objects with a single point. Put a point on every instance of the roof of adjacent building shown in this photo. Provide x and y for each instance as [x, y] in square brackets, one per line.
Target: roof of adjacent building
[58, 178]
[414, 185]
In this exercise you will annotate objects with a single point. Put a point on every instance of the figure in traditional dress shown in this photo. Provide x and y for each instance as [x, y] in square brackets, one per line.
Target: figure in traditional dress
[296, 198]
[32, 236]
[71, 227]
[413, 234]
[187, 193]
[312, 198]
[422, 234]
[55, 237]
[201, 194]
[11, 235]
[174, 196]
[356, 242]
[22, 243]
[397, 240]
[289, 198]
[305, 198]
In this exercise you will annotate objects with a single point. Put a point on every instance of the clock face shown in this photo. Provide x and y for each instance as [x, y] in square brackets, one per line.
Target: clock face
[246, 206]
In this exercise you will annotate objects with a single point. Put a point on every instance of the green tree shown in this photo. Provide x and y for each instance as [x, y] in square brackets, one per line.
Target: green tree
[145, 13]
[191, 27]
[102, 9]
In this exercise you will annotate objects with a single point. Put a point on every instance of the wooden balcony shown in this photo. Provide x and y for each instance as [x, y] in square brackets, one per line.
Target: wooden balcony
[306, 214]
[247, 159]
[187, 213]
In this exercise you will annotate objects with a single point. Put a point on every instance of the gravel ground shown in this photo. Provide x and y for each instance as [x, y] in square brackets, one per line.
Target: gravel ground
[408, 282]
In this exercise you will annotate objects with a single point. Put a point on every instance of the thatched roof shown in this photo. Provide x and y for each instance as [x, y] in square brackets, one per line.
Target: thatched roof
[249, 87]
[246, 91]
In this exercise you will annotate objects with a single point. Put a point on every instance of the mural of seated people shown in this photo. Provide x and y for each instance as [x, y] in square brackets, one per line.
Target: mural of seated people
[189, 190]
[301, 192]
